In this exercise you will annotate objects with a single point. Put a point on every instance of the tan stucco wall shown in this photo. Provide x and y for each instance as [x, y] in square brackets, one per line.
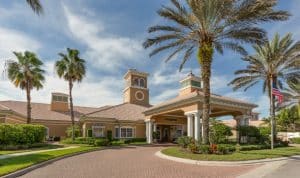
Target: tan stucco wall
[56, 129]
[129, 96]
[140, 128]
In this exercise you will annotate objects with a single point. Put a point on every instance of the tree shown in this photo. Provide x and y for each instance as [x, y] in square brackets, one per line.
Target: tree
[292, 94]
[26, 73]
[219, 132]
[206, 26]
[275, 61]
[72, 69]
[36, 6]
[288, 117]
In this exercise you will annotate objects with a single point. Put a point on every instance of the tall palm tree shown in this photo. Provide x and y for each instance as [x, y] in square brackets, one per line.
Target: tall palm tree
[72, 69]
[275, 61]
[26, 73]
[36, 6]
[206, 26]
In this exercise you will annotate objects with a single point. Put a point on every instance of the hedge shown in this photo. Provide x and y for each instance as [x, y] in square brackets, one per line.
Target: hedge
[295, 140]
[21, 134]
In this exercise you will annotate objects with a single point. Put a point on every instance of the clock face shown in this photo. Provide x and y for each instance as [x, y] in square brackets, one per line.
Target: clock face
[139, 95]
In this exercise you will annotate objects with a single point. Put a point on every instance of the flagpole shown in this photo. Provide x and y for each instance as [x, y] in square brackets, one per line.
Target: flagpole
[272, 114]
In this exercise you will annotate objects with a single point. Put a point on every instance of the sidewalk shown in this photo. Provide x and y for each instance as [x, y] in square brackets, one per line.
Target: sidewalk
[33, 152]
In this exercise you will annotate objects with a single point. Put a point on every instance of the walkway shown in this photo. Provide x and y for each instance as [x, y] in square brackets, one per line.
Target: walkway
[33, 152]
[131, 162]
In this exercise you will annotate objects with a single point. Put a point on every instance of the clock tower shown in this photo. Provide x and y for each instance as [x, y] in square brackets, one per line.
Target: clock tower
[136, 88]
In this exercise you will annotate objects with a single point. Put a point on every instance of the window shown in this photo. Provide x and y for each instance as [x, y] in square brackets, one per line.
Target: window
[142, 83]
[127, 132]
[196, 83]
[135, 82]
[60, 98]
[98, 131]
[117, 133]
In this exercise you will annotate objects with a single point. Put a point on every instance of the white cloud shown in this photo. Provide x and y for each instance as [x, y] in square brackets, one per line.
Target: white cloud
[106, 51]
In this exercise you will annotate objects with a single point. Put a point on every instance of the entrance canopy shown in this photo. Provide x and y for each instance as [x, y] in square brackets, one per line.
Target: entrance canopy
[186, 111]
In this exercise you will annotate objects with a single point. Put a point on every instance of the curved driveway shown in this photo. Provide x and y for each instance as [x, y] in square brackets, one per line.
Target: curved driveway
[131, 162]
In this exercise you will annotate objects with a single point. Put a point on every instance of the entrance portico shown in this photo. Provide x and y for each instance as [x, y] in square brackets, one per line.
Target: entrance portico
[183, 114]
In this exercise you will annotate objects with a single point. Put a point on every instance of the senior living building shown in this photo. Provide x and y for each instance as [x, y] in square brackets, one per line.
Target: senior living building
[135, 117]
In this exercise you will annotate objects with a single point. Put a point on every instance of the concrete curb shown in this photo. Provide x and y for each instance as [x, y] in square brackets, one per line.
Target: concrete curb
[45, 163]
[34, 152]
[221, 163]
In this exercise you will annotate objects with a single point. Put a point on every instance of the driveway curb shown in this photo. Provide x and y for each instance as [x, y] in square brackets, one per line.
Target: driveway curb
[45, 163]
[221, 163]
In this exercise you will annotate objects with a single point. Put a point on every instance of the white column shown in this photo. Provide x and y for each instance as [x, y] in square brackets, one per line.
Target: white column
[190, 125]
[154, 127]
[197, 125]
[150, 132]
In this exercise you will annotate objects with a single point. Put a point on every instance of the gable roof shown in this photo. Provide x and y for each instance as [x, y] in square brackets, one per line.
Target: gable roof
[125, 111]
[41, 111]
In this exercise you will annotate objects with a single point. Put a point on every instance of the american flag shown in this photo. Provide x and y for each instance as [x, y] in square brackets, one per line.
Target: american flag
[277, 94]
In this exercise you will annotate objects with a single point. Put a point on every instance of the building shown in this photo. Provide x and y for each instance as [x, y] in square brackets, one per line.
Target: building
[135, 117]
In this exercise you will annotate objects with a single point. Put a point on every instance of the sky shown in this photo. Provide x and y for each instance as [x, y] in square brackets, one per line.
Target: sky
[109, 35]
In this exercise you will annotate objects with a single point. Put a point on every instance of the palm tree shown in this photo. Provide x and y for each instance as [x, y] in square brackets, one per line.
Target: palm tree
[26, 74]
[36, 6]
[292, 95]
[275, 61]
[72, 69]
[206, 26]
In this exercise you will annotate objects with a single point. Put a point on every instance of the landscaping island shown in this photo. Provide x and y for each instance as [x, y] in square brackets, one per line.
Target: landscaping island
[235, 156]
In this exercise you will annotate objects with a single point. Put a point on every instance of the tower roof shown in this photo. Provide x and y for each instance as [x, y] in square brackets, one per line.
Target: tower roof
[135, 72]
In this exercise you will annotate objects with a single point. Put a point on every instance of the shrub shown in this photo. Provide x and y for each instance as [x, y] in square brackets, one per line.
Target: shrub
[21, 134]
[253, 147]
[193, 147]
[225, 148]
[80, 140]
[219, 132]
[204, 149]
[102, 142]
[109, 135]
[295, 140]
[76, 131]
[139, 139]
[184, 141]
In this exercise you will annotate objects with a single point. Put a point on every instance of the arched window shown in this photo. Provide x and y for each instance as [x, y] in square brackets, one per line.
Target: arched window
[142, 83]
[135, 82]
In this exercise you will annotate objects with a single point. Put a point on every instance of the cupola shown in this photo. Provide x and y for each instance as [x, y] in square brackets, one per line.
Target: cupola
[190, 84]
[60, 102]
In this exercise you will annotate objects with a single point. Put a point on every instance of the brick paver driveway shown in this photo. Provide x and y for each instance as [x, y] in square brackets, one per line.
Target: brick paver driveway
[133, 162]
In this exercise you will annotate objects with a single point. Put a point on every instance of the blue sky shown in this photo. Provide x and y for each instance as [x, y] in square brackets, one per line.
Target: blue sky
[109, 35]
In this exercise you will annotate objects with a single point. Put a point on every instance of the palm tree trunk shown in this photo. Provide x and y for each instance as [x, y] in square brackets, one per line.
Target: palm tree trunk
[71, 109]
[272, 111]
[205, 54]
[28, 103]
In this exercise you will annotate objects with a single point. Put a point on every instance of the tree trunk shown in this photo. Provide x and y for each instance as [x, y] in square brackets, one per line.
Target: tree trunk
[205, 54]
[28, 103]
[71, 109]
[272, 112]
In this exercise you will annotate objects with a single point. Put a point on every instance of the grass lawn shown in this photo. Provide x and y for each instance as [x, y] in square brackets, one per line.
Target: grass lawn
[46, 147]
[237, 156]
[13, 164]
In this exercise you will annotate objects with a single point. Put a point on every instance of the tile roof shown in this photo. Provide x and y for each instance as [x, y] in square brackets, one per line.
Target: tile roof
[125, 111]
[41, 111]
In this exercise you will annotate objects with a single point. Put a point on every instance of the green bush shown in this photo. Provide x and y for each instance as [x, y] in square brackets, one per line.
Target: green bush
[80, 140]
[219, 132]
[102, 142]
[204, 149]
[295, 140]
[21, 134]
[253, 147]
[139, 139]
[230, 148]
[77, 131]
[193, 147]
[184, 141]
